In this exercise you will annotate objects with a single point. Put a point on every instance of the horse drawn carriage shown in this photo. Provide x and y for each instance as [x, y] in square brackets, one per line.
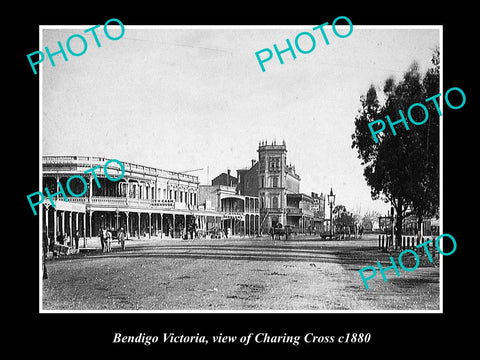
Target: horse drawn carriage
[280, 231]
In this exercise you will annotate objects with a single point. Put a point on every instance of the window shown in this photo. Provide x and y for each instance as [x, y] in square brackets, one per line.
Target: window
[274, 163]
[275, 202]
[274, 181]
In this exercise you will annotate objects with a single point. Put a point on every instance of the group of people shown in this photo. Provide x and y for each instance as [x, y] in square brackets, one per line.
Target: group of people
[277, 231]
[64, 239]
[106, 237]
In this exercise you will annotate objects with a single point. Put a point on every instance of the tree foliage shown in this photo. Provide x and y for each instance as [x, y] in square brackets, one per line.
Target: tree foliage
[342, 216]
[402, 169]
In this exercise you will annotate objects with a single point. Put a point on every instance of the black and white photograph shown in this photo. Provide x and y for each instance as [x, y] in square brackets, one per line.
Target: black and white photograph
[253, 185]
[242, 189]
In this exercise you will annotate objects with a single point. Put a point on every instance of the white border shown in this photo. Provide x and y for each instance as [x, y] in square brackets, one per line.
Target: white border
[240, 27]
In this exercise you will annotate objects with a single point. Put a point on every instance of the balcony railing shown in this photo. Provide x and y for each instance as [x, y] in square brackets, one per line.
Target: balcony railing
[293, 211]
[272, 210]
[70, 162]
[123, 202]
[233, 215]
[298, 211]
[108, 200]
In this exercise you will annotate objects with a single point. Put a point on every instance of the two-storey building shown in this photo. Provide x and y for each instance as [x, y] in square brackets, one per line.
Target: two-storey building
[240, 212]
[146, 201]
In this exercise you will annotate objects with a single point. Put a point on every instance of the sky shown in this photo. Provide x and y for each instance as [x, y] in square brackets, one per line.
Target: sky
[194, 98]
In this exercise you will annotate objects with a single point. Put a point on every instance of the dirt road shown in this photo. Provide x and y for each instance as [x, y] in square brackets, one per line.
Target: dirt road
[236, 274]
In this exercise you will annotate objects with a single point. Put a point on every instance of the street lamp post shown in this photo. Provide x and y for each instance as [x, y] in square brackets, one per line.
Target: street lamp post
[117, 216]
[331, 202]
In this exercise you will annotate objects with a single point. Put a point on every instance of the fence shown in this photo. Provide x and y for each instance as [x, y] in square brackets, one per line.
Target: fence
[408, 242]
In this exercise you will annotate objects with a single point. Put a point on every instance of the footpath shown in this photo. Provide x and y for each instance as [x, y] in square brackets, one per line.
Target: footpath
[93, 244]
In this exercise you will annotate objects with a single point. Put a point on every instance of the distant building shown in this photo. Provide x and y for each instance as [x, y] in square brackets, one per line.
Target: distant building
[318, 208]
[225, 179]
[248, 183]
[240, 213]
[277, 185]
[299, 212]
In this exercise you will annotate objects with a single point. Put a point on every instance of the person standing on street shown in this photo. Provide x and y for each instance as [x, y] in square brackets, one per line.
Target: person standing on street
[103, 238]
[109, 241]
[121, 238]
[76, 237]
[44, 254]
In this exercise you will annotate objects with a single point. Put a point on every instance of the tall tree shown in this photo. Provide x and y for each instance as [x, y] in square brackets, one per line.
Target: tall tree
[425, 196]
[396, 167]
[369, 218]
[343, 218]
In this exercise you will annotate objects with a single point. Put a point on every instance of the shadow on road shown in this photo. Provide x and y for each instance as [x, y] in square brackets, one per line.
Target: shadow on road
[348, 255]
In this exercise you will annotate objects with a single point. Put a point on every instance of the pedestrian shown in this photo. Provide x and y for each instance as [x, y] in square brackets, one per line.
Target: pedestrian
[272, 233]
[193, 232]
[109, 241]
[280, 231]
[121, 238]
[44, 254]
[103, 238]
[66, 239]
[76, 237]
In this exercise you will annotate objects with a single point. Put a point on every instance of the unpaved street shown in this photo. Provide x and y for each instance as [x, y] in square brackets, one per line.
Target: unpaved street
[236, 274]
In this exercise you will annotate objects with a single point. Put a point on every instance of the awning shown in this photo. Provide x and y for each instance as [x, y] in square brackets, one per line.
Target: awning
[232, 196]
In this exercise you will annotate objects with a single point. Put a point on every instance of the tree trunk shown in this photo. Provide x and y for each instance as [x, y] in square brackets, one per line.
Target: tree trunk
[398, 234]
[399, 224]
[419, 224]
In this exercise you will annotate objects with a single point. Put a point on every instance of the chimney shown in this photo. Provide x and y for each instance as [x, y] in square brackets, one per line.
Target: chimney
[253, 162]
[228, 177]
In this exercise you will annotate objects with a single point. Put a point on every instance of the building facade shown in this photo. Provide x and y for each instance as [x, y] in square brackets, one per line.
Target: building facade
[151, 202]
[277, 186]
[145, 202]
[318, 208]
[240, 213]
[299, 213]
[225, 179]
